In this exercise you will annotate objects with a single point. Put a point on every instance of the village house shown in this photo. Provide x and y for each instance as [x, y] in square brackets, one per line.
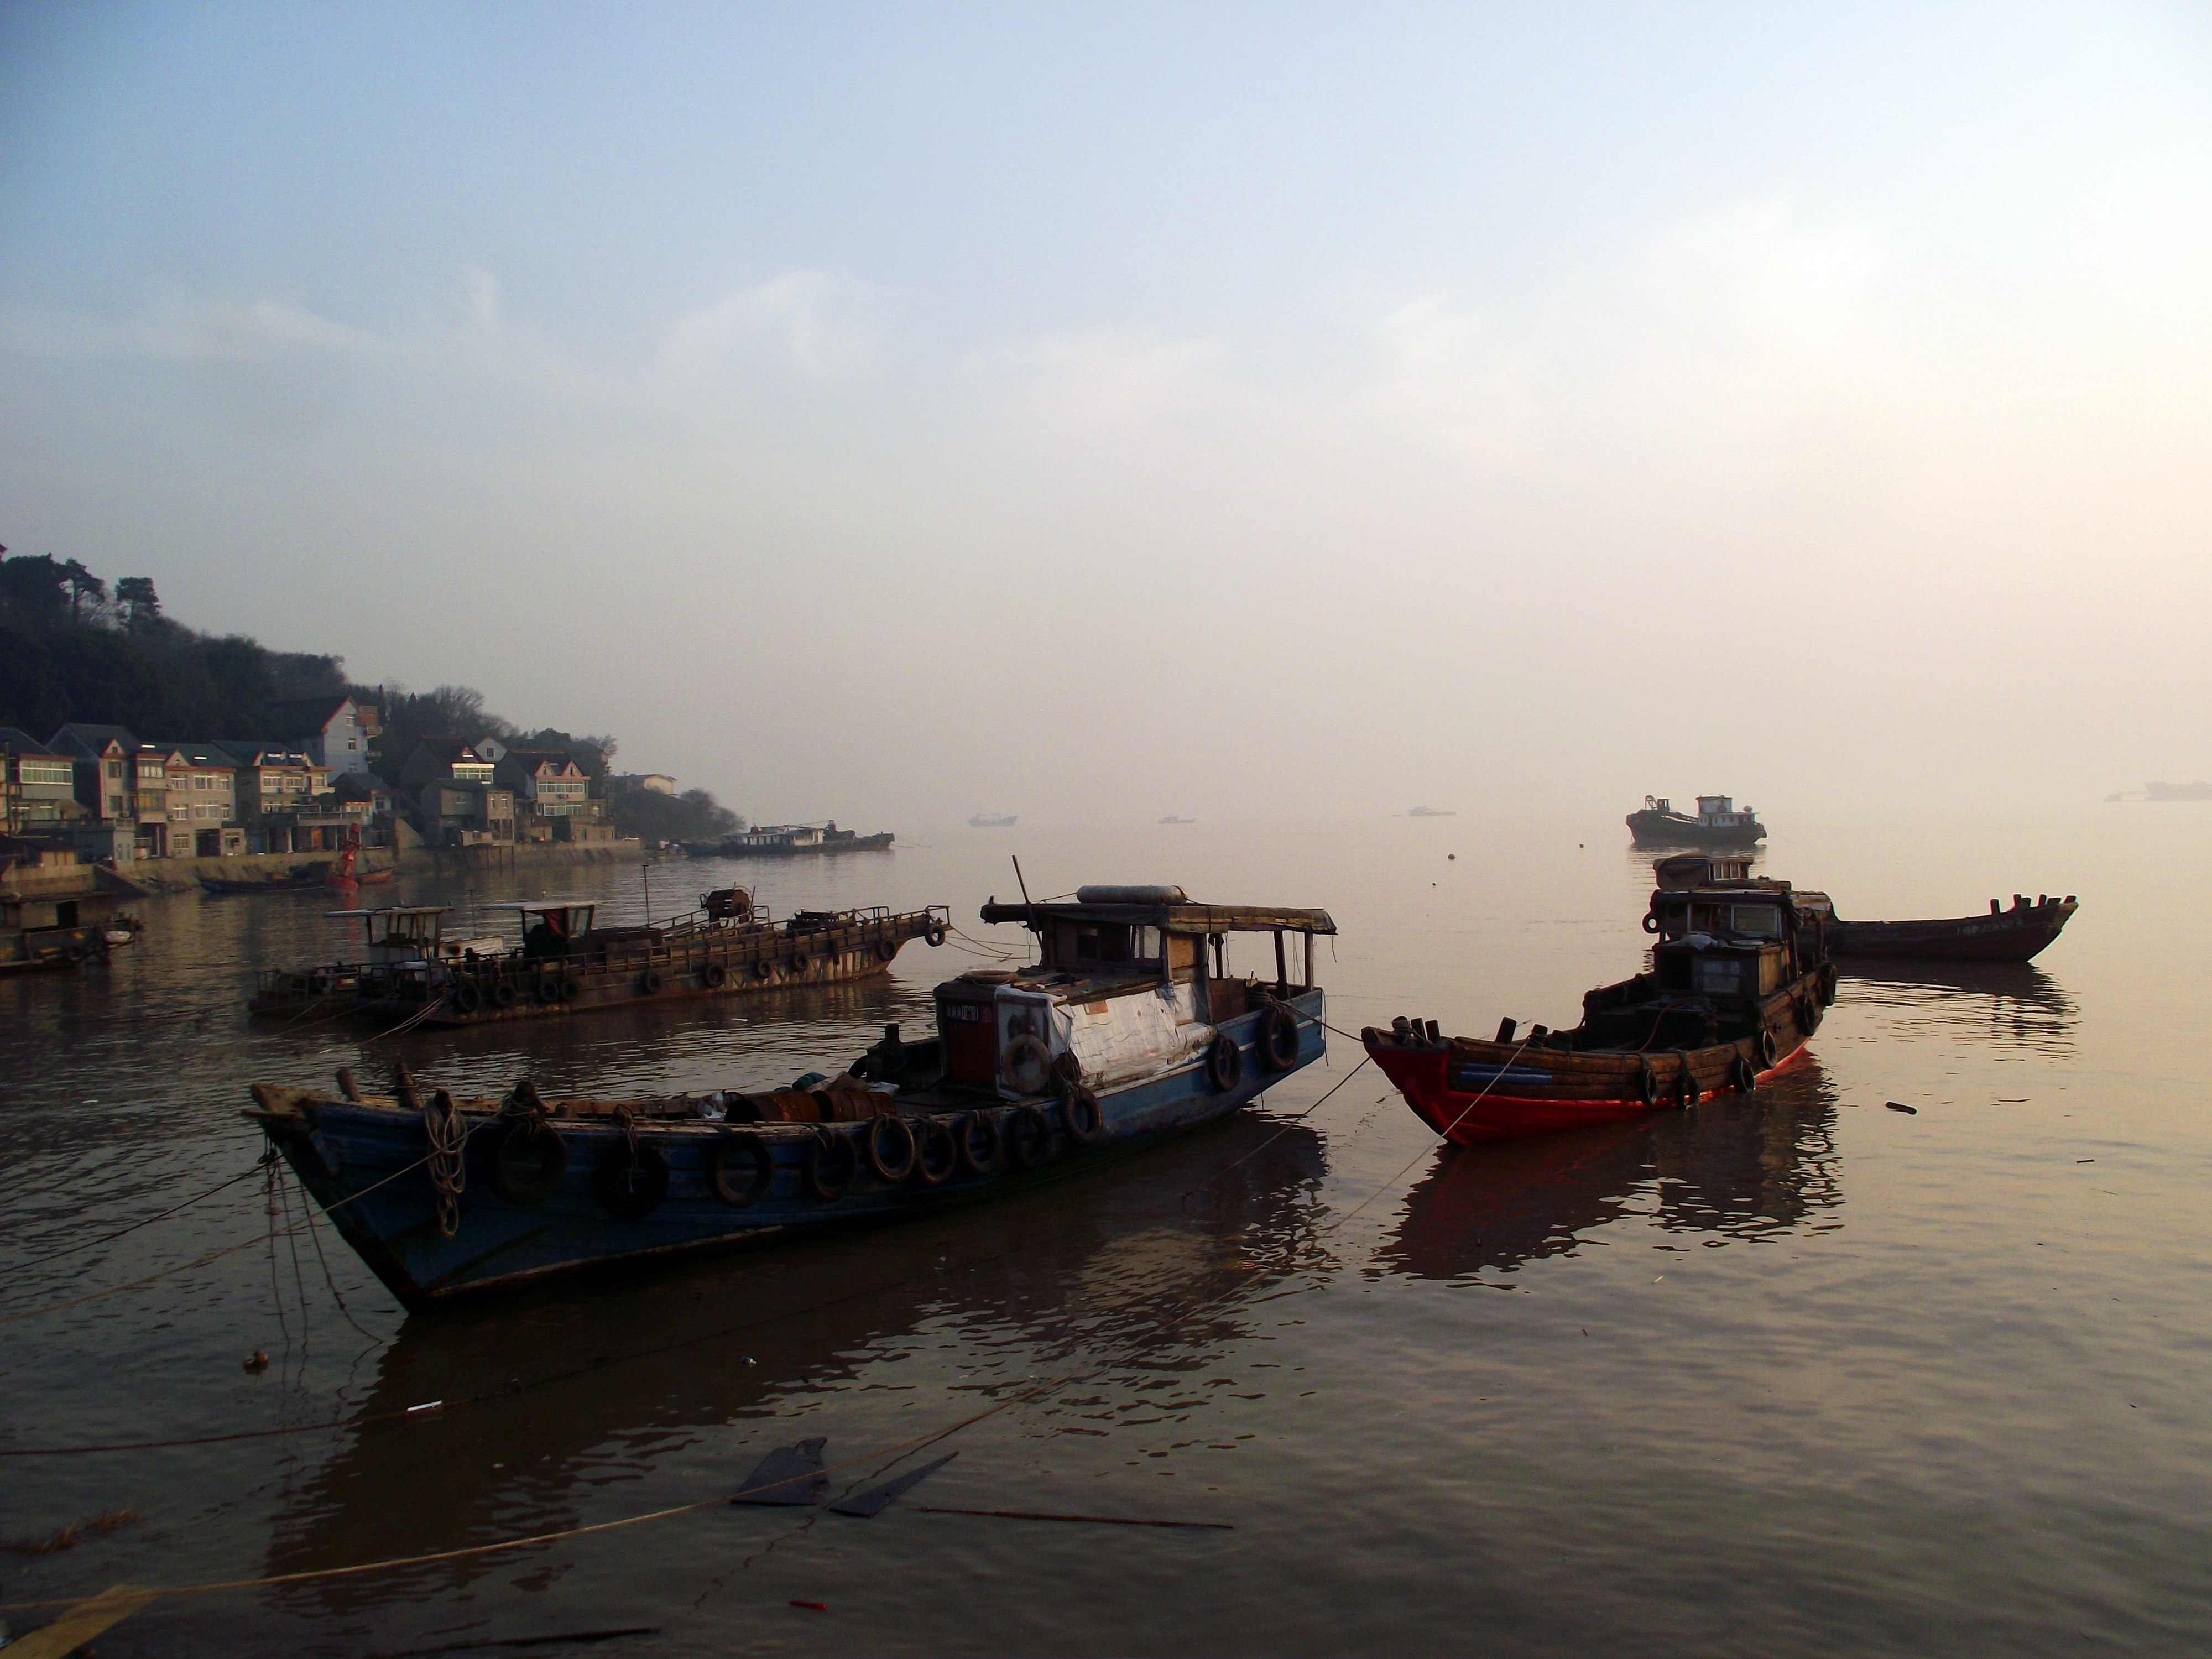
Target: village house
[333, 731]
[202, 782]
[124, 786]
[454, 794]
[552, 794]
[285, 800]
[39, 791]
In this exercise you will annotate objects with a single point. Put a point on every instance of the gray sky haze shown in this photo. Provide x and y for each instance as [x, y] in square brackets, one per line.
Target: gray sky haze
[892, 412]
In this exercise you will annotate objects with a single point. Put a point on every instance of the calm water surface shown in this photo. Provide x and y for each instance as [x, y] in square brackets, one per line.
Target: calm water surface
[1794, 1373]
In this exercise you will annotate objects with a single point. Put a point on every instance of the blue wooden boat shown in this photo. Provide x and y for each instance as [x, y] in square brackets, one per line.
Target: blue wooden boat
[1123, 1032]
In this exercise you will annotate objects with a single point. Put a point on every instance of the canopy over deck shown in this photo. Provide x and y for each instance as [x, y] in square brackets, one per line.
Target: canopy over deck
[395, 910]
[1177, 915]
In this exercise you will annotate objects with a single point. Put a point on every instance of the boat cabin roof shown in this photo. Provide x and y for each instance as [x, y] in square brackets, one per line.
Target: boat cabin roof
[528, 907]
[1165, 907]
[395, 910]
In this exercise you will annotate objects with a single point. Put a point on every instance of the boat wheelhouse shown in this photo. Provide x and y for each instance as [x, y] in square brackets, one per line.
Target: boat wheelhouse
[1740, 978]
[1129, 1027]
[563, 961]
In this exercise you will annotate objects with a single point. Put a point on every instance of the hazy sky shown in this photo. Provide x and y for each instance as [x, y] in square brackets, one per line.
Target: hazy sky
[887, 412]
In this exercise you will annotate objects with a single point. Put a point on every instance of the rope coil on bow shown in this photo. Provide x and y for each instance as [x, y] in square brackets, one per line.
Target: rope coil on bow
[447, 1134]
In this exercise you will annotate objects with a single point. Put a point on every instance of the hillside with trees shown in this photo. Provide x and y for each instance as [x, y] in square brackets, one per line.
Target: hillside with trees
[76, 647]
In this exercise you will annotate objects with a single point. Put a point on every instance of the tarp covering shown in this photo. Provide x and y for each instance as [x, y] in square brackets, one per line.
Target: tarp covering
[1116, 1039]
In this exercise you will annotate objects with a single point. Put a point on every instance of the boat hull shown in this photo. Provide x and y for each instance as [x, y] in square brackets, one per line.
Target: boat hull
[705, 963]
[2014, 935]
[1471, 1091]
[1650, 828]
[365, 1163]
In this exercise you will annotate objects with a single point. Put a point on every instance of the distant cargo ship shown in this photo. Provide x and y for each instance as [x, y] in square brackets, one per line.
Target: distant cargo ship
[1719, 823]
[1431, 812]
[2177, 791]
[775, 840]
[991, 820]
[1172, 818]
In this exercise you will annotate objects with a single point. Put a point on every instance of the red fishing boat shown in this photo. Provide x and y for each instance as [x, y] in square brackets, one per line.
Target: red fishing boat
[1740, 978]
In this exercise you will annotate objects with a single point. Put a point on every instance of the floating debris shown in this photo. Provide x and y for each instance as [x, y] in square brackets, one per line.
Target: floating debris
[877, 1500]
[788, 1477]
[1899, 1106]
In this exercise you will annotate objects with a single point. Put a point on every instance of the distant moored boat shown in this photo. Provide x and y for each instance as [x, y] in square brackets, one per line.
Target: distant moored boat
[1718, 823]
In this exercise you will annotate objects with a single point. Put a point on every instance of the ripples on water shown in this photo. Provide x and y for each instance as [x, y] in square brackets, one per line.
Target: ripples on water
[1788, 1373]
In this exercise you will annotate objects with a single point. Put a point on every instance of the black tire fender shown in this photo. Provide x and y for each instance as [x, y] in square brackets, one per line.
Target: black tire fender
[1225, 1063]
[1081, 1114]
[1828, 984]
[1650, 921]
[502, 994]
[466, 998]
[650, 982]
[890, 1144]
[832, 1162]
[729, 1153]
[713, 975]
[1687, 1083]
[1028, 1137]
[935, 935]
[632, 1181]
[1279, 1038]
[936, 1153]
[1768, 1049]
[982, 1146]
[1742, 1075]
[529, 1162]
[549, 990]
[1648, 1085]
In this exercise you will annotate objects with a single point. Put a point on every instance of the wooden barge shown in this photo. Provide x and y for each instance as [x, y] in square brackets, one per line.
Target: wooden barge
[2002, 935]
[565, 964]
[1740, 978]
[53, 933]
[1121, 1034]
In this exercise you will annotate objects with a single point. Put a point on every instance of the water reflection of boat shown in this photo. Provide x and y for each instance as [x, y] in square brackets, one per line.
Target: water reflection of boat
[1738, 1165]
[1045, 1283]
[2009, 1004]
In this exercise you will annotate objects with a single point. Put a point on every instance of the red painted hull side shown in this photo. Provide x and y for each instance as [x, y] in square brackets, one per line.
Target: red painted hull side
[1469, 1118]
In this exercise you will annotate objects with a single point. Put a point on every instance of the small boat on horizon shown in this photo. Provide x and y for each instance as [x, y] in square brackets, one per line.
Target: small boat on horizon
[1172, 818]
[1717, 823]
[1740, 979]
[2197, 791]
[992, 821]
[1122, 1033]
[1428, 811]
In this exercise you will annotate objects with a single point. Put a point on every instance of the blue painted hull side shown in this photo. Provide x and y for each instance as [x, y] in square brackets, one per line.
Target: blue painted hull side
[342, 1150]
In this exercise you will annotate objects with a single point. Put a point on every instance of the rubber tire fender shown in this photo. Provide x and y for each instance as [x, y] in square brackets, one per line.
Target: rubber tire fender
[936, 1153]
[632, 1188]
[1768, 1049]
[1742, 1076]
[832, 1163]
[549, 990]
[1082, 1117]
[1828, 984]
[1279, 1038]
[571, 987]
[1808, 1013]
[466, 998]
[502, 994]
[894, 1163]
[1024, 1055]
[1650, 921]
[713, 975]
[800, 962]
[764, 969]
[1225, 1063]
[1028, 1137]
[527, 1165]
[982, 1146]
[650, 982]
[935, 935]
[1687, 1083]
[1648, 1083]
[755, 1186]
